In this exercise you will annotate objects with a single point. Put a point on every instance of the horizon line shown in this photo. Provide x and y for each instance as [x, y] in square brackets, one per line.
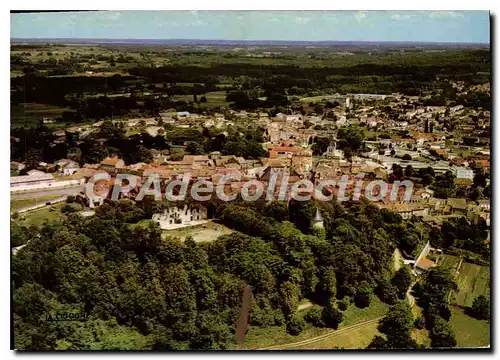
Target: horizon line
[252, 40]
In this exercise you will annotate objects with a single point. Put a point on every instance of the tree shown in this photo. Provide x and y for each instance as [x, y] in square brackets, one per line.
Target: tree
[33, 158]
[386, 291]
[396, 326]
[444, 185]
[480, 178]
[328, 283]
[295, 325]
[363, 295]
[481, 308]
[399, 319]
[195, 148]
[277, 210]
[408, 171]
[315, 316]
[254, 150]
[320, 145]
[94, 153]
[442, 335]
[351, 137]
[144, 155]
[331, 316]
[402, 281]
[289, 294]
[378, 342]
[176, 154]
[419, 323]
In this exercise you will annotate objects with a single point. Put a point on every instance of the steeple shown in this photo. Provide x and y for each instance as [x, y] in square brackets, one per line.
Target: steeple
[317, 221]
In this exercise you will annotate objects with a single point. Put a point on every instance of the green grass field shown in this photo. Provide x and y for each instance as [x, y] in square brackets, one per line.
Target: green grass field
[200, 233]
[469, 332]
[43, 215]
[24, 203]
[319, 98]
[473, 280]
[421, 336]
[357, 338]
[214, 98]
[260, 337]
[30, 114]
[448, 261]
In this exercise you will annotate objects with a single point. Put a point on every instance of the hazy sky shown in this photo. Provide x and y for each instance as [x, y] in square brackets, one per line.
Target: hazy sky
[433, 26]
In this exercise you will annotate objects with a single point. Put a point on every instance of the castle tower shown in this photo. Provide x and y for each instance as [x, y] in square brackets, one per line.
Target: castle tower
[317, 221]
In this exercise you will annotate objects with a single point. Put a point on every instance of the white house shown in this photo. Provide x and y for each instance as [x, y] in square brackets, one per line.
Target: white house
[71, 168]
[463, 173]
[176, 217]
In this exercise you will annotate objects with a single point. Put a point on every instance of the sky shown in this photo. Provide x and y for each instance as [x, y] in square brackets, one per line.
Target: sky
[427, 26]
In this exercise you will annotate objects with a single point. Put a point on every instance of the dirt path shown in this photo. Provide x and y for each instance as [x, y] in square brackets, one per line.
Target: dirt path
[321, 337]
[397, 259]
[305, 306]
[411, 298]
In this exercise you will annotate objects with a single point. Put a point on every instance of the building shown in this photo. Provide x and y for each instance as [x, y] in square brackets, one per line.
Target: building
[424, 265]
[463, 173]
[70, 168]
[59, 133]
[112, 164]
[17, 165]
[284, 117]
[333, 153]
[317, 221]
[484, 205]
[176, 217]
[33, 179]
[284, 151]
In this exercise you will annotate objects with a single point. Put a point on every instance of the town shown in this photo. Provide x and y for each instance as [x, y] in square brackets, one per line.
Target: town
[250, 195]
[382, 137]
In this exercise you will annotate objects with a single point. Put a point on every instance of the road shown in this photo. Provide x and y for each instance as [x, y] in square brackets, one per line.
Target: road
[321, 337]
[74, 190]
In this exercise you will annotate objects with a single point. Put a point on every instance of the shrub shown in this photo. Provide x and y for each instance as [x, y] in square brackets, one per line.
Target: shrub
[419, 323]
[315, 316]
[295, 325]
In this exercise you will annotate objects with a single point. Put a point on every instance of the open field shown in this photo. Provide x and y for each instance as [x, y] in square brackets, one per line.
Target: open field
[27, 202]
[363, 322]
[469, 332]
[357, 336]
[320, 98]
[199, 233]
[39, 217]
[473, 280]
[30, 114]
[421, 336]
[214, 99]
[449, 261]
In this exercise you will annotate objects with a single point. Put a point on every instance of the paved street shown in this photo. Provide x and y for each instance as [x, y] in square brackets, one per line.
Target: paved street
[75, 190]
